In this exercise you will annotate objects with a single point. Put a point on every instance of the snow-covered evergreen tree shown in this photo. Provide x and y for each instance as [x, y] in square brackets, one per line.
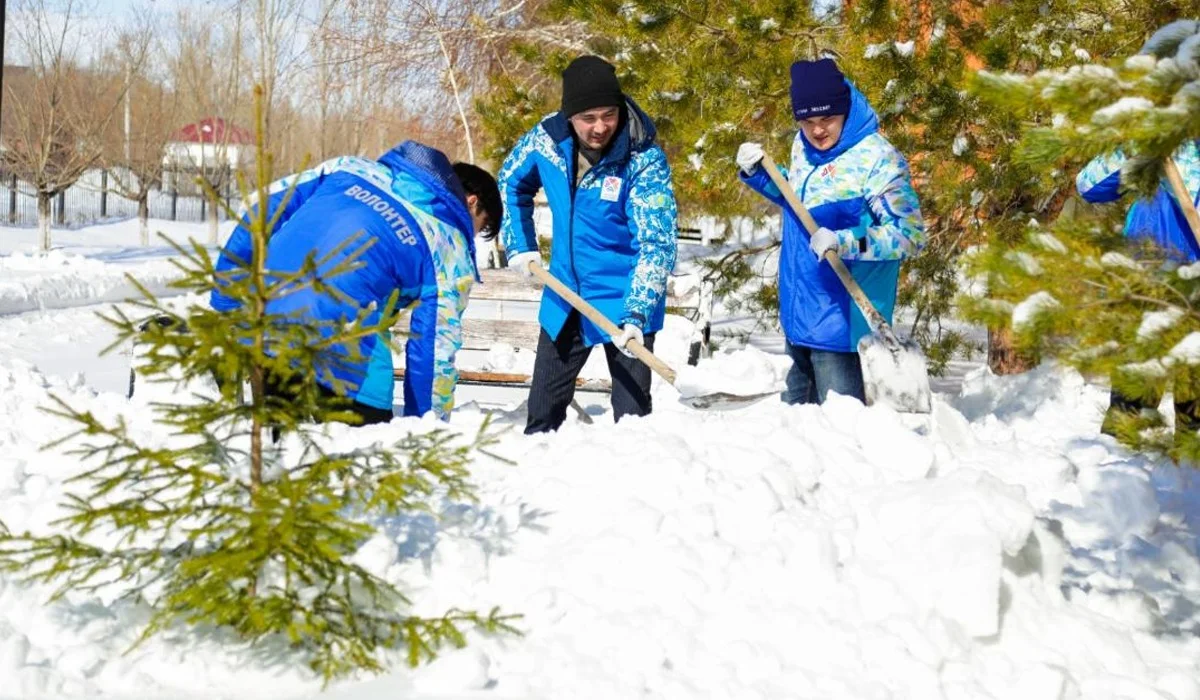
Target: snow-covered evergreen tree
[915, 61]
[1078, 290]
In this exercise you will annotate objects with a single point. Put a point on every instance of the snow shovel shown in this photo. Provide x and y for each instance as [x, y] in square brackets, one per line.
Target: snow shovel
[894, 372]
[714, 400]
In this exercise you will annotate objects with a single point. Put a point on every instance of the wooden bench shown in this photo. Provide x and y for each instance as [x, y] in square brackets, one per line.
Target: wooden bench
[503, 310]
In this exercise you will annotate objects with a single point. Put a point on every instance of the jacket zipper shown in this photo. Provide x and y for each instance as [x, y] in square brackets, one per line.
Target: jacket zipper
[804, 186]
[571, 224]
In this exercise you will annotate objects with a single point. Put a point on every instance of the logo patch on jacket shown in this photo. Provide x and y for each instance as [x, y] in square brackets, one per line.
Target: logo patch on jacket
[610, 191]
[829, 170]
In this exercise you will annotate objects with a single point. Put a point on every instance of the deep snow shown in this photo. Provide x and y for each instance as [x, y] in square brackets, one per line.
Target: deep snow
[999, 548]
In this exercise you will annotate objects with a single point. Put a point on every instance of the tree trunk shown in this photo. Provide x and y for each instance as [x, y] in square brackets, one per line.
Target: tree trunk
[212, 225]
[462, 110]
[1003, 358]
[144, 216]
[43, 204]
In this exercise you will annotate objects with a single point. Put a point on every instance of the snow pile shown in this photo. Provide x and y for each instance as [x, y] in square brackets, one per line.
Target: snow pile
[88, 266]
[50, 261]
[960, 145]
[119, 239]
[1115, 259]
[57, 280]
[1189, 272]
[743, 372]
[770, 552]
[1048, 241]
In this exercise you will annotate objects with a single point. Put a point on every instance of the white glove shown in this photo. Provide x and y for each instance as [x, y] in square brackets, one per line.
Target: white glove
[521, 261]
[628, 332]
[749, 155]
[821, 241]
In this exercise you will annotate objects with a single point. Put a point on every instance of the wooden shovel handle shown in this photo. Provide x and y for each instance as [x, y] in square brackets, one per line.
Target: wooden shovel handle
[602, 321]
[1184, 198]
[874, 318]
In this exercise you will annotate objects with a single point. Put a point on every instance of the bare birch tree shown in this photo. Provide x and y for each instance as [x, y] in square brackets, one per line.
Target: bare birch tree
[208, 71]
[151, 117]
[442, 51]
[55, 118]
[276, 25]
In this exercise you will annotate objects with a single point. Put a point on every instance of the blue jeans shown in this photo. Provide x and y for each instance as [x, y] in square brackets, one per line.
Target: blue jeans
[814, 373]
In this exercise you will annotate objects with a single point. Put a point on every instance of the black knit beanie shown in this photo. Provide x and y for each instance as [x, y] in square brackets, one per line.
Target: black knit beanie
[590, 82]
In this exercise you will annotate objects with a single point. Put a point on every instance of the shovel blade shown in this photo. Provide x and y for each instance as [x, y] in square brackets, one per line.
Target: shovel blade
[895, 374]
[722, 401]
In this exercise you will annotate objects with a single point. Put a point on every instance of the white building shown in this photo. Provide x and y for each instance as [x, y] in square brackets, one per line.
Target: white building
[211, 142]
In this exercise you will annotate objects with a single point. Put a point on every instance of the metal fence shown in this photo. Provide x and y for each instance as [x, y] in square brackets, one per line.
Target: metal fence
[94, 198]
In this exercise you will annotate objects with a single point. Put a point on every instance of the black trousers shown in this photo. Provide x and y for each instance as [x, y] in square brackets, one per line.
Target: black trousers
[556, 366]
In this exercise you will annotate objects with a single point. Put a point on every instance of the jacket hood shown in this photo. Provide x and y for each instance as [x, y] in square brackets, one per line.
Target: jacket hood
[447, 201]
[861, 122]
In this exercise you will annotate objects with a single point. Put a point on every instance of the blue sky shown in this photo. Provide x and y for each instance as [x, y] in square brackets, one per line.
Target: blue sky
[120, 9]
[95, 23]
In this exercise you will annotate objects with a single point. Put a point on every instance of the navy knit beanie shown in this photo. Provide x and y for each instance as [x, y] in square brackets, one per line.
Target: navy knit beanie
[818, 89]
[587, 83]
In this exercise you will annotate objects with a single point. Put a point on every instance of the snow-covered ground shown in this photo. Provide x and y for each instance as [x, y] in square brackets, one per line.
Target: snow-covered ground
[88, 265]
[998, 549]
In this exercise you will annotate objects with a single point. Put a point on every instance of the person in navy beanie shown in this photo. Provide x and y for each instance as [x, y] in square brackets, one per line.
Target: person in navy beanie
[858, 188]
[613, 209]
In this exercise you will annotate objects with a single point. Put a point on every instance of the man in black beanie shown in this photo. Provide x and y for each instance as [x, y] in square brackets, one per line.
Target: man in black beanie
[614, 218]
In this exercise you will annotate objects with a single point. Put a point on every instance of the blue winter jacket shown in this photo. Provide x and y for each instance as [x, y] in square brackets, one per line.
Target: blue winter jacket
[1158, 218]
[412, 206]
[862, 191]
[614, 236]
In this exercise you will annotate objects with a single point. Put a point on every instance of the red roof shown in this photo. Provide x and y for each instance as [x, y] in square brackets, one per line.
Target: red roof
[214, 130]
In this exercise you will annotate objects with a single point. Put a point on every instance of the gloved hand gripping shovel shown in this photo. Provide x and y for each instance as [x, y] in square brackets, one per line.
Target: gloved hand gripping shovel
[714, 400]
[894, 372]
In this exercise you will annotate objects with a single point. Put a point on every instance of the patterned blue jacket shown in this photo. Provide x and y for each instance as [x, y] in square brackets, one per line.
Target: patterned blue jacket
[862, 191]
[411, 205]
[614, 236]
[1158, 218]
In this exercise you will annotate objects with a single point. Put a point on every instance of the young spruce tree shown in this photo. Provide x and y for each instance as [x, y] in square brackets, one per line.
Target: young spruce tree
[218, 525]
